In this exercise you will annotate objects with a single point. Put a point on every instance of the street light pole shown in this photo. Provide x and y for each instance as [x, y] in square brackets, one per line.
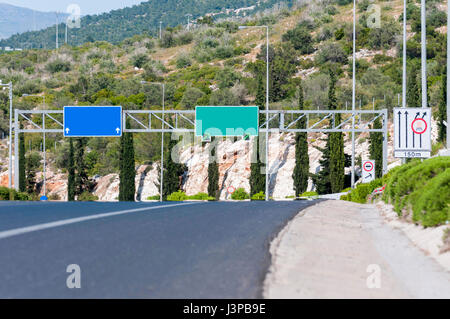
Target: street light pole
[9, 86]
[44, 178]
[162, 134]
[448, 82]
[404, 57]
[267, 105]
[424, 54]
[354, 93]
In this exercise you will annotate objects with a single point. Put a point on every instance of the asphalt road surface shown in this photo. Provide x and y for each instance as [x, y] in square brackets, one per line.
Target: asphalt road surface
[139, 250]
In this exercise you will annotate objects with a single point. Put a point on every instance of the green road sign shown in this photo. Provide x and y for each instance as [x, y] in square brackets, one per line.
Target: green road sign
[226, 121]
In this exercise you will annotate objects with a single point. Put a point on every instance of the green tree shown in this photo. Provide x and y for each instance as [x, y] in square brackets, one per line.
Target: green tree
[301, 169]
[213, 171]
[71, 170]
[22, 163]
[173, 171]
[413, 90]
[82, 183]
[336, 144]
[127, 186]
[442, 111]
[376, 148]
[331, 177]
[33, 161]
[257, 178]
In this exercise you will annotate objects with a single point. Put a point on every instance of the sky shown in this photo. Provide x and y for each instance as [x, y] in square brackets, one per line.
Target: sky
[86, 6]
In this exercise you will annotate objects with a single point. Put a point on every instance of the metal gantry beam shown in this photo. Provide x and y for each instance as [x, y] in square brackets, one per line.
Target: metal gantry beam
[277, 121]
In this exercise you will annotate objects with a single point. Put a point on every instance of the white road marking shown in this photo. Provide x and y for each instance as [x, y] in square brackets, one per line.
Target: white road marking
[29, 229]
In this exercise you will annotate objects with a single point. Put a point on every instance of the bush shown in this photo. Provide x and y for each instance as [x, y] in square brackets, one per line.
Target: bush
[310, 194]
[362, 191]
[87, 197]
[12, 194]
[331, 52]
[201, 196]
[259, 196]
[432, 205]
[183, 61]
[58, 66]
[155, 197]
[423, 188]
[178, 196]
[240, 194]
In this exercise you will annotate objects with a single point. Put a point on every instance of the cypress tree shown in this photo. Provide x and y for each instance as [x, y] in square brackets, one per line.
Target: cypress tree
[81, 178]
[173, 172]
[413, 90]
[442, 111]
[336, 144]
[301, 169]
[32, 162]
[22, 176]
[376, 148]
[332, 175]
[127, 186]
[257, 178]
[71, 176]
[213, 171]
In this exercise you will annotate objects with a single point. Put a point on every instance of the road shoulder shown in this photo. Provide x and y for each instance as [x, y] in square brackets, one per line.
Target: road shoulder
[330, 250]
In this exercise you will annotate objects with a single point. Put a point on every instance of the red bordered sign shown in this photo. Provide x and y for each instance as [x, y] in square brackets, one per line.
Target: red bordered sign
[231, 189]
[368, 166]
[419, 126]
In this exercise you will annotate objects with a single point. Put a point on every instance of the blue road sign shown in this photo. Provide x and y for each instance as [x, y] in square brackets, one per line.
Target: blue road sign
[92, 121]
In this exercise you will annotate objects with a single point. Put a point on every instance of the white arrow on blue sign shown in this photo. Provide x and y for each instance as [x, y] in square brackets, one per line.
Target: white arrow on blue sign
[92, 121]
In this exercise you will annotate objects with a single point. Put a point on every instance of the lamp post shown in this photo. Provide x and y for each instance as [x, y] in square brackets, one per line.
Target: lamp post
[267, 104]
[163, 86]
[424, 54]
[354, 93]
[448, 82]
[10, 88]
[43, 148]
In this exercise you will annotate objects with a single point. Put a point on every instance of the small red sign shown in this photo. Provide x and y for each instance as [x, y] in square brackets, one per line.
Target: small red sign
[231, 189]
[368, 166]
[419, 126]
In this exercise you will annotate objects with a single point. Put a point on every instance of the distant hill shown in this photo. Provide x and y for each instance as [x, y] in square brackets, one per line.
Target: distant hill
[118, 25]
[14, 20]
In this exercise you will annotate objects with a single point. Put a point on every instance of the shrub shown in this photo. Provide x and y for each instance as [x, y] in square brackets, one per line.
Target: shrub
[309, 194]
[155, 197]
[12, 194]
[423, 188]
[87, 197]
[300, 38]
[362, 191]
[58, 66]
[183, 61]
[201, 196]
[178, 196]
[139, 60]
[240, 194]
[331, 52]
[259, 196]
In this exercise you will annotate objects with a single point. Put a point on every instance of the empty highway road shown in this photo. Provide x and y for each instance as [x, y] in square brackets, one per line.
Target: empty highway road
[139, 250]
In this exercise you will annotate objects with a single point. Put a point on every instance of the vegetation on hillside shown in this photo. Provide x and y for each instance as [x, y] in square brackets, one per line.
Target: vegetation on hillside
[144, 18]
[218, 64]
